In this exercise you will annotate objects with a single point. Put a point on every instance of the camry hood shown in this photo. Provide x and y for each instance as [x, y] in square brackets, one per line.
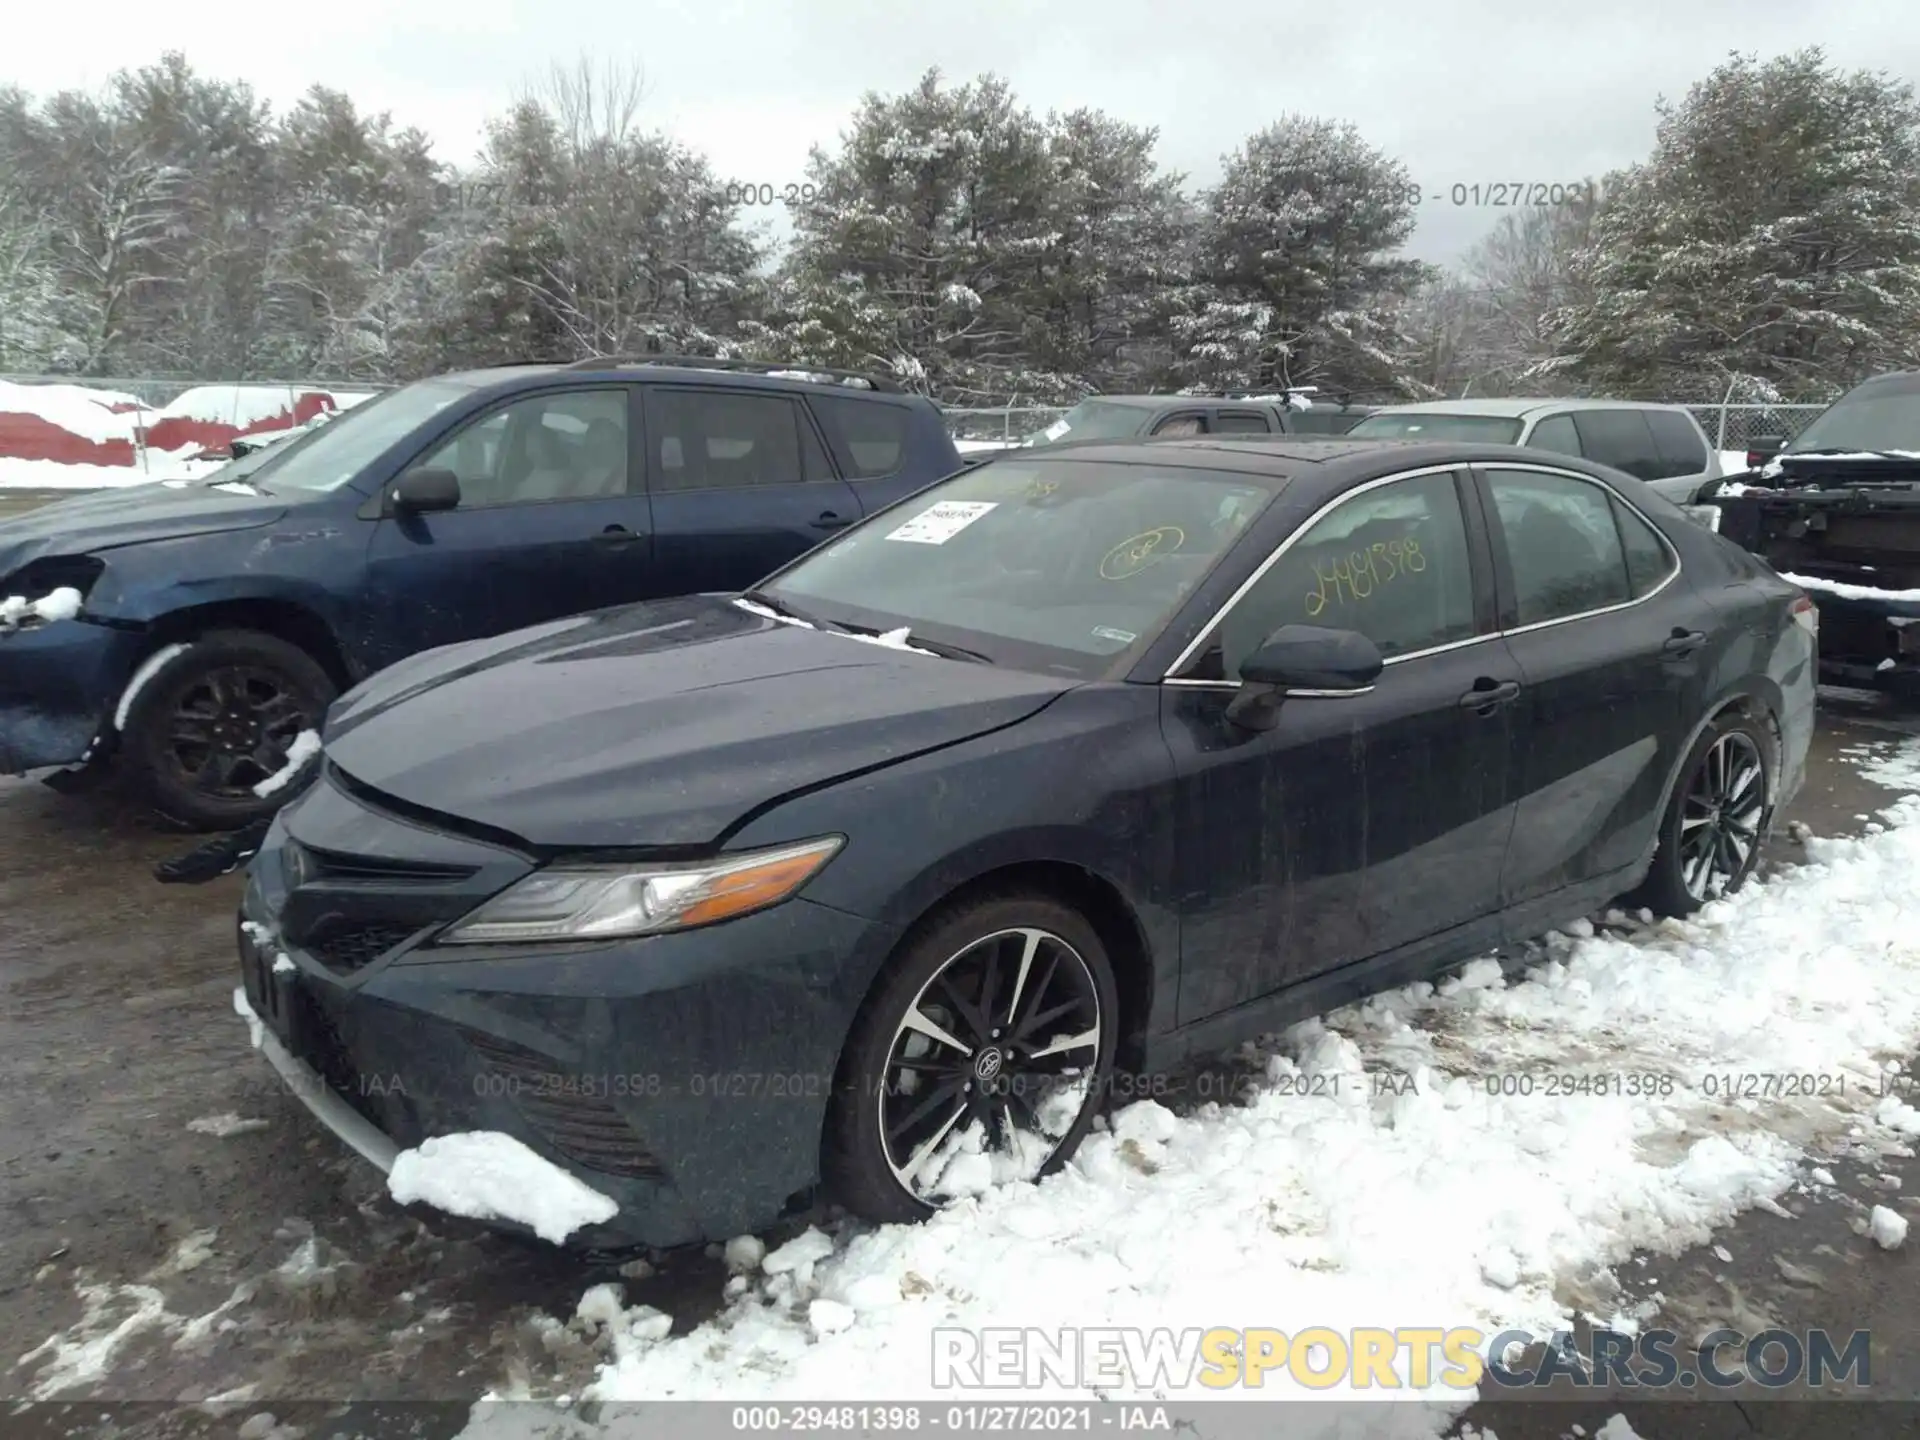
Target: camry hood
[660, 724]
[108, 519]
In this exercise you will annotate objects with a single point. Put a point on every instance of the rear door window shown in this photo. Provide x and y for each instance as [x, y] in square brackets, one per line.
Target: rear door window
[869, 436]
[1240, 422]
[1186, 423]
[1619, 438]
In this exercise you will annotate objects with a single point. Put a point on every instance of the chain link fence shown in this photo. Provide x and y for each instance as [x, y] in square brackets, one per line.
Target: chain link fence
[1730, 427]
[1736, 427]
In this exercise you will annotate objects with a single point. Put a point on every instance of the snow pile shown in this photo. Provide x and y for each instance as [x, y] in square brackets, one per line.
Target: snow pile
[246, 407]
[224, 1125]
[61, 604]
[305, 746]
[96, 415]
[486, 1175]
[1887, 1227]
[1398, 1162]
[892, 639]
[1846, 591]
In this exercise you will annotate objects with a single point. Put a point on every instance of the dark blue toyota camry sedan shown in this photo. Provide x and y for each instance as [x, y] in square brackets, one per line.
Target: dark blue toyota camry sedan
[879, 880]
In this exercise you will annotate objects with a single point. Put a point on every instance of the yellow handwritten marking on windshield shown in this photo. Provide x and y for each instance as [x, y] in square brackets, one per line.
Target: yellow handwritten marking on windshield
[1363, 572]
[1137, 553]
[1040, 489]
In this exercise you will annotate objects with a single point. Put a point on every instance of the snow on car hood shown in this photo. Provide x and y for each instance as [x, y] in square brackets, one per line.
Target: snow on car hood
[658, 724]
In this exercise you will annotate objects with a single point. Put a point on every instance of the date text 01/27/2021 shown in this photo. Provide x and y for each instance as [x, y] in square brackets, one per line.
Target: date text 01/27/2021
[1497, 194]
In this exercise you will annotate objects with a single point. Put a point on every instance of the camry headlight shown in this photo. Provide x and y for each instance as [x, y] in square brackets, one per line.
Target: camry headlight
[607, 901]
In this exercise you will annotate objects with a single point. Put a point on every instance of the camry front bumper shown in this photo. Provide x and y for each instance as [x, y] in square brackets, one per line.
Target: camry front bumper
[685, 1076]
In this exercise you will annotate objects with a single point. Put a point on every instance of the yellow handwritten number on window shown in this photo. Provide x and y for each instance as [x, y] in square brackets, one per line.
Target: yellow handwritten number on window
[1362, 572]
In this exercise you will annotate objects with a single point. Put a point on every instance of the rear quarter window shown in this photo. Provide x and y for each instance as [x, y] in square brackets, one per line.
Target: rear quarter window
[869, 437]
[1682, 449]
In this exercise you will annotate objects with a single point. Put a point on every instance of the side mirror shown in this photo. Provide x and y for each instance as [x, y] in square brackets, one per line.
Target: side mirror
[1298, 658]
[421, 491]
[1763, 448]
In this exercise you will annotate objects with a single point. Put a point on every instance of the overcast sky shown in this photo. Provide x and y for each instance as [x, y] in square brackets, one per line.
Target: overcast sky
[1464, 93]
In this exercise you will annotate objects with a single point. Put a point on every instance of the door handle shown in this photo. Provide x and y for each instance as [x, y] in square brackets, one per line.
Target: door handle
[830, 521]
[1487, 697]
[615, 537]
[1684, 642]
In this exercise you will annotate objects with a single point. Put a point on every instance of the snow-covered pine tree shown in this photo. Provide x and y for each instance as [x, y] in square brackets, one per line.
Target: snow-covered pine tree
[1773, 234]
[919, 248]
[1300, 279]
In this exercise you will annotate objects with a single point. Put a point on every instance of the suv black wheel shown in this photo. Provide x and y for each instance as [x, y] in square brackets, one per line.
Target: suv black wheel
[982, 1057]
[1717, 819]
[217, 719]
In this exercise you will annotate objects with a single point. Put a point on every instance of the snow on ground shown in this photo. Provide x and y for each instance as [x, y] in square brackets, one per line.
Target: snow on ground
[79, 409]
[240, 405]
[486, 1175]
[1402, 1163]
[18, 474]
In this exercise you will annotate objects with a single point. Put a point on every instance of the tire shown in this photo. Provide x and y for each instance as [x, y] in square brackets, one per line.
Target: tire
[1068, 972]
[273, 689]
[1675, 885]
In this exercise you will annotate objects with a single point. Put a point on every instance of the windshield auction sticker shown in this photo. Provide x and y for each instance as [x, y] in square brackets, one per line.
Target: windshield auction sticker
[939, 523]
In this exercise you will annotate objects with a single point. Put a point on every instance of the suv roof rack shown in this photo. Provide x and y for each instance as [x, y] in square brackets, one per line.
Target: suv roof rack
[814, 373]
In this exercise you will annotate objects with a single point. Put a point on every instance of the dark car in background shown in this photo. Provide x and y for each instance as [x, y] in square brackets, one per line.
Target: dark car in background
[217, 618]
[1130, 417]
[1091, 757]
[1837, 511]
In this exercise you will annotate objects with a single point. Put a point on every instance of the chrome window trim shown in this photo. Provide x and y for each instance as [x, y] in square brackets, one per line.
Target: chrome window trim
[1674, 566]
[1199, 641]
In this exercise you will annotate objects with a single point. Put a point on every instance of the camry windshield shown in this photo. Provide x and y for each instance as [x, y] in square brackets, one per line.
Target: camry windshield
[339, 450]
[1043, 563]
[1880, 415]
[1092, 420]
[1468, 429]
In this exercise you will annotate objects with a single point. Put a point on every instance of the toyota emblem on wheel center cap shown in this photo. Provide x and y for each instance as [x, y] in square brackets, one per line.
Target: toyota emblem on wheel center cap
[986, 1065]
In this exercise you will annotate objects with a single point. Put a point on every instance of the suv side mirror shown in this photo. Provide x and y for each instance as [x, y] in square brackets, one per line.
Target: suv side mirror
[1298, 658]
[1763, 448]
[422, 491]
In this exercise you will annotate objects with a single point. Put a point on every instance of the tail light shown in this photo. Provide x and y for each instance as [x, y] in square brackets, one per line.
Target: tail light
[1806, 615]
[1756, 458]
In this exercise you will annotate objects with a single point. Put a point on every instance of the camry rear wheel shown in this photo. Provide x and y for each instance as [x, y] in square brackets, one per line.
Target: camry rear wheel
[1717, 819]
[980, 1059]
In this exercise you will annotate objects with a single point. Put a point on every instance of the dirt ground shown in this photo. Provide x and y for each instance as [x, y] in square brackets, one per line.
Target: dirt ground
[144, 1260]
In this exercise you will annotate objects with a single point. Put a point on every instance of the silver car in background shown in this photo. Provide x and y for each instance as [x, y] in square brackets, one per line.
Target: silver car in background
[1660, 444]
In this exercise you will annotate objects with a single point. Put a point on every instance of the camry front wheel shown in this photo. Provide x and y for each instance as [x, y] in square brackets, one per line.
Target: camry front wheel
[980, 1059]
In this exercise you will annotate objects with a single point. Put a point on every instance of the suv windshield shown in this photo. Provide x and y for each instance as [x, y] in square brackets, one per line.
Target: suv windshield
[1469, 429]
[1882, 414]
[336, 452]
[1092, 420]
[1047, 564]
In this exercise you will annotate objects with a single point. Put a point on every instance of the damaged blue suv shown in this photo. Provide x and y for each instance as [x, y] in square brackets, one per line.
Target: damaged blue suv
[187, 632]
